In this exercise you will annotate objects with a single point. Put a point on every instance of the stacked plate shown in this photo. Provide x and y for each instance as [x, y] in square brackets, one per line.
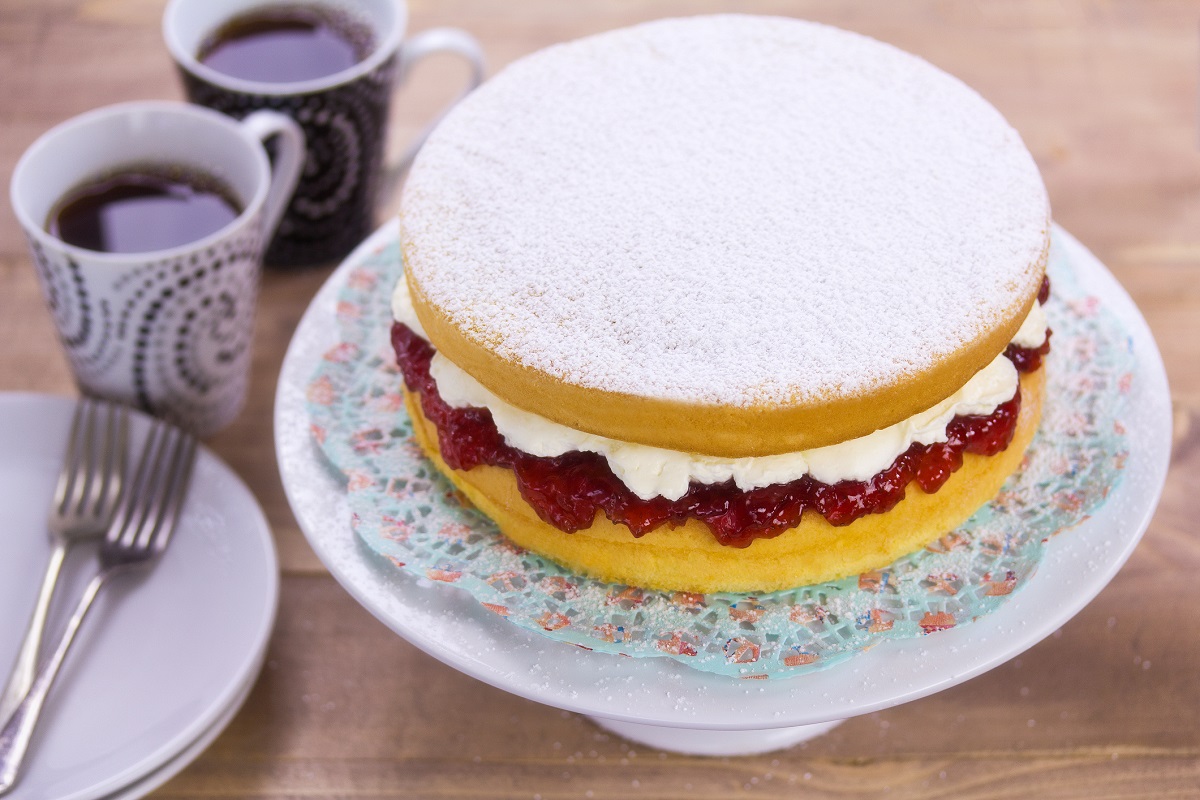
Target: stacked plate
[166, 658]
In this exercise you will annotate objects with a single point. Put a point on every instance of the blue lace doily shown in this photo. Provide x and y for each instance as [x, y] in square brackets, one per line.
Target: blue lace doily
[407, 512]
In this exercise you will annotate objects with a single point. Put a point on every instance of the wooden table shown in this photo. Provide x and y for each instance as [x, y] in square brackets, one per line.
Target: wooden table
[1105, 96]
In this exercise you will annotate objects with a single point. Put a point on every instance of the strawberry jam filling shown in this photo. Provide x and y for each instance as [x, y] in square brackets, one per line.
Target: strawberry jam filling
[568, 490]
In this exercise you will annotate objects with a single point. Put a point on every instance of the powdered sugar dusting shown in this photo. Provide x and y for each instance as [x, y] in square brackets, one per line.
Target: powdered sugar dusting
[731, 210]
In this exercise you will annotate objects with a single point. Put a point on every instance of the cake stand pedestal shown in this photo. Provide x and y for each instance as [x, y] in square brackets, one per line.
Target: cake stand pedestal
[715, 743]
[662, 703]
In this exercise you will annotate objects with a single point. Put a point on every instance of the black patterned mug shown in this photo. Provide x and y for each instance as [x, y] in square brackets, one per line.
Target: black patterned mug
[343, 114]
[167, 330]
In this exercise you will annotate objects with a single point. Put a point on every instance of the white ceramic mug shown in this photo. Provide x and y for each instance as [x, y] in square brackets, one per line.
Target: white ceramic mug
[344, 115]
[168, 331]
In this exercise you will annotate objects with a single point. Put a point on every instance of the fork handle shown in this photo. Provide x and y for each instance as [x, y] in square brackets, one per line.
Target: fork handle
[26, 664]
[18, 729]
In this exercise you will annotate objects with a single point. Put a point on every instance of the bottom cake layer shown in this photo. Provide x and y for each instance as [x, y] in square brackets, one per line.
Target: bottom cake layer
[688, 558]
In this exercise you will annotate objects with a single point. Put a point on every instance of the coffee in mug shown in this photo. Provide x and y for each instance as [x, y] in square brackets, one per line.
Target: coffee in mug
[286, 43]
[143, 207]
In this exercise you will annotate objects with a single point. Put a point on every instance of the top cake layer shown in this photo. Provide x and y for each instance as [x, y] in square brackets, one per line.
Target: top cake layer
[729, 235]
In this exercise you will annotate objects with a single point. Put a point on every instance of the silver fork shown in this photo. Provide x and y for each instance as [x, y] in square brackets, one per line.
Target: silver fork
[137, 536]
[85, 500]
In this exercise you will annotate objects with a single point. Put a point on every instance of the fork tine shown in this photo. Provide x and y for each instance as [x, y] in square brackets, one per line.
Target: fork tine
[120, 453]
[111, 459]
[152, 501]
[170, 493]
[155, 488]
[66, 478]
[151, 489]
[100, 444]
[132, 510]
[86, 482]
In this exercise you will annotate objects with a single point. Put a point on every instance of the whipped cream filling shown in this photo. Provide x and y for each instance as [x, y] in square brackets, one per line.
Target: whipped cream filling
[1032, 333]
[651, 472]
[403, 310]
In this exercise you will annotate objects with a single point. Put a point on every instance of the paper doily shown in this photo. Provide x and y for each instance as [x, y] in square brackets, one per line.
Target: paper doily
[403, 509]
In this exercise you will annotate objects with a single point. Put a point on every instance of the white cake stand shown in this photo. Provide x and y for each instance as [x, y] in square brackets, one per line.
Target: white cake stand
[664, 704]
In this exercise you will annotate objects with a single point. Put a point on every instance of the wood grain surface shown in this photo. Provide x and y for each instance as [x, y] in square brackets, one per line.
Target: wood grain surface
[1105, 95]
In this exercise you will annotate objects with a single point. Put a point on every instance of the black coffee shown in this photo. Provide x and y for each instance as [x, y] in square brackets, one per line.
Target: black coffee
[143, 208]
[287, 43]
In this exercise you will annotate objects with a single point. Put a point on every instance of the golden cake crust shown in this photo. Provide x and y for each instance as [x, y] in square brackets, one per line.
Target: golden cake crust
[688, 558]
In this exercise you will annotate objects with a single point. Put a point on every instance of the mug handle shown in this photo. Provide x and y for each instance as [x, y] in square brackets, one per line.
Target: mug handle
[426, 43]
[289, 159]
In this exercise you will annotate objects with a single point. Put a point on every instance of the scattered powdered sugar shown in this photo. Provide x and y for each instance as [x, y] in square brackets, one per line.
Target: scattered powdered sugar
[731, 209]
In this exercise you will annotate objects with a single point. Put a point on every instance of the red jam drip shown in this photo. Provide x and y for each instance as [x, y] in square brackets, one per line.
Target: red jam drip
[1044, 290]
[1029, 359]
[566, 491]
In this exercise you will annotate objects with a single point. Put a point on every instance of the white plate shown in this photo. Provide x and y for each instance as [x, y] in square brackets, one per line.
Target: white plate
[163, 657]
[451, 626]
[164, 773]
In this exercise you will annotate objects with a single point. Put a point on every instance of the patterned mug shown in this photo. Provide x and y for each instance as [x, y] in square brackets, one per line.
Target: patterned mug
[344, 115]
[168, 331]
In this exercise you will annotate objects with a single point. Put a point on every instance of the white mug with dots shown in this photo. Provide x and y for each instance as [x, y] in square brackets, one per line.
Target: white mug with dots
[147, 223]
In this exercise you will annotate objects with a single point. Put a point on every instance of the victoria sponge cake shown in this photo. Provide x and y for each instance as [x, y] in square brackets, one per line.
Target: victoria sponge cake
[724, 303]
